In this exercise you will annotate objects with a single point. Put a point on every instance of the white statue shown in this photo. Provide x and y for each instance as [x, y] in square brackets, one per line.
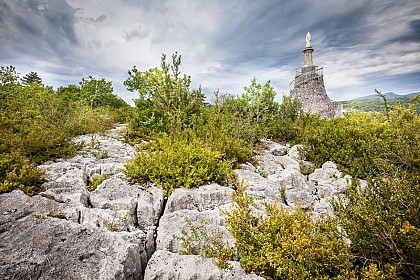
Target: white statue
[308, 40]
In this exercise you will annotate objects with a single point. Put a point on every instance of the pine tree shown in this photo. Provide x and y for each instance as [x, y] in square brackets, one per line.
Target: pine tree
[30, 78]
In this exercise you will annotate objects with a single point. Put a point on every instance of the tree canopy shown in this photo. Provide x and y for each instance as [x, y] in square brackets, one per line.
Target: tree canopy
[31, 77]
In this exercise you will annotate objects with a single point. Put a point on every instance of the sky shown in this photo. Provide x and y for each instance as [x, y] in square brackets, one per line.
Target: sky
[361, 44]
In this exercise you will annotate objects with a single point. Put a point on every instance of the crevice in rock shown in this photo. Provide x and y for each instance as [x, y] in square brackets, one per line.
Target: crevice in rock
[89, 203]
[135, 217]
[154, 231]
[161, 212]
[79, 217]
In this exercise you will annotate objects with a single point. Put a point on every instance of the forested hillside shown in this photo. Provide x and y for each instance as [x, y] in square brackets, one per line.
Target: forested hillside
[376, 105]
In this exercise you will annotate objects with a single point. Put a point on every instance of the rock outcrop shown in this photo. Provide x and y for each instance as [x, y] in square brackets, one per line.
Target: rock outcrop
[67, 232]
[122, 230]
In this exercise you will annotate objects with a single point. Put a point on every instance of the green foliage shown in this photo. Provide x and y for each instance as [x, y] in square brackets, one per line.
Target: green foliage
[8, 76]
[217, 128]
[382, 220]
[16, 173]
[383, 223]
[199, 239]
[377, 105]
[36, 124]
[99, 93]
[254, 111]
[164, 99]
[31, 77]
[99, 96]
[170, 163]
[96, 181]
[366, 144]
[284, 245]
[288, 121]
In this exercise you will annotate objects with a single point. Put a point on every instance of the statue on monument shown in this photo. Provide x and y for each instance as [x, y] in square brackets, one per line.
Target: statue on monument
[308, 40]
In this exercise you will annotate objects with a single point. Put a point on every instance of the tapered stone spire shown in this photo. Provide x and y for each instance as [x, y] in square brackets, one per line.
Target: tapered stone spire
[307, 52]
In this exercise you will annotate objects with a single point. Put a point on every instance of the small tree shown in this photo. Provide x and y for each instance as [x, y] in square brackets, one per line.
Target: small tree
[8, 76]
[165, 98]
[255, 110]
[97, 93]
[31, 77]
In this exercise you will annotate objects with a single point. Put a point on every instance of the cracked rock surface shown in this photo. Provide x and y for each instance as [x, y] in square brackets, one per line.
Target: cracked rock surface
[122, 230]
[68, 232]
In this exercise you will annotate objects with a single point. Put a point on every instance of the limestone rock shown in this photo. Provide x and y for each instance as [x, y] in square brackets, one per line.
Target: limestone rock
[165, 265]
[144, 203]
[104, 154]
[172, 224]
[294, 152]
[36, 243]
[206, 197]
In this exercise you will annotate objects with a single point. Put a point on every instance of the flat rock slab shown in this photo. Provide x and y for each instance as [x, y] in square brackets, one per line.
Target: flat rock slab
[165, 265]
[36, 243]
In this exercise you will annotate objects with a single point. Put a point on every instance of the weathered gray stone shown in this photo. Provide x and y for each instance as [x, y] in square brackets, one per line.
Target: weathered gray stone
[172, 224]
[149, 209]
[294, 152]
[327, 173]
[34, 244]
[165, 265]
[248, 166]
[205, 197]
[67, 179]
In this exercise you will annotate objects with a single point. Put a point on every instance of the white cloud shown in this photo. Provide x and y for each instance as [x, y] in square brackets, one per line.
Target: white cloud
[224, 43]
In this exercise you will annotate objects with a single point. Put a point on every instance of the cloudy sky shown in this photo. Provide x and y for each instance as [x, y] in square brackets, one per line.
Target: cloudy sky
[362, 44]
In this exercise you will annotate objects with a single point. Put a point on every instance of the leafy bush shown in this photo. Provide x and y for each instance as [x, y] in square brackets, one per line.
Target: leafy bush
[365, 144]
[96, 181]
[382, 222]
[170, 163]
[217, 129]
[16, 173]
[254, 111]
[37, 124]
[284, 245]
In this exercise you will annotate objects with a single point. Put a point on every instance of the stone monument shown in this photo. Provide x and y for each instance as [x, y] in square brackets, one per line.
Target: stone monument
[308, 87]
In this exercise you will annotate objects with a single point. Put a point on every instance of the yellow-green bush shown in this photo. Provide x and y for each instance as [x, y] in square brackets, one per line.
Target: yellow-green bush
[36, 124]
[96, 181]
[171, 163]
[16, 173]
[382, 221]
[200, 239]
[287, 245]
[365, 144]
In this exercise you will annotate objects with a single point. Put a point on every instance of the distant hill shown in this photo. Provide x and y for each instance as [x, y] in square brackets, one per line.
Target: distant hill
[374, 103]
[388, 95]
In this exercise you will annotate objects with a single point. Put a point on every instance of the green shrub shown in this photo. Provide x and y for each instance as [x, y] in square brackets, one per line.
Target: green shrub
[216, 128]
[382, 221]
[365, 144]
[16, 173]
[284, 245]
[96, 181]
[36, 124]
[164, 99]
[171, 163]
